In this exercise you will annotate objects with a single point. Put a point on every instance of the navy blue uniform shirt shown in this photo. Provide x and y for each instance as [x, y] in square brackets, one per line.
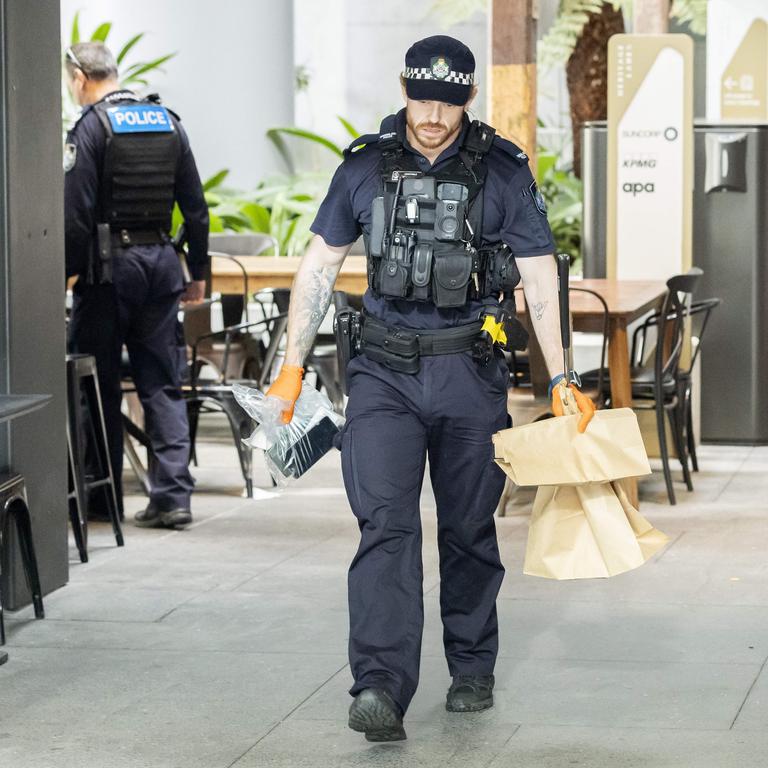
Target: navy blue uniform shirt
[81, 193]
[510, 215]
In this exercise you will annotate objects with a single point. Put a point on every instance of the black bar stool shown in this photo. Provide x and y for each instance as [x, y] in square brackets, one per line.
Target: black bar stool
[13, 506]
[83, 390]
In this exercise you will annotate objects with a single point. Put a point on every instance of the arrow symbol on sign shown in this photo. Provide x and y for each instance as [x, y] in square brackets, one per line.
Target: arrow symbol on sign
[730, 83]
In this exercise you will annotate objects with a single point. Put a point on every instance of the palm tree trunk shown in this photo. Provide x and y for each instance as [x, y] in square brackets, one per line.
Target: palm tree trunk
[651, 17]
[513, 72]
[587, 74]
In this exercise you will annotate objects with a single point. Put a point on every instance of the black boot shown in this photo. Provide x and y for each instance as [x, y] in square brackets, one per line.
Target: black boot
[375, 713]
[470, 693]
[154, 517]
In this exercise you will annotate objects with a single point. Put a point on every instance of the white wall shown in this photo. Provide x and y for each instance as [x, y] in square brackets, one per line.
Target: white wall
[231, 80]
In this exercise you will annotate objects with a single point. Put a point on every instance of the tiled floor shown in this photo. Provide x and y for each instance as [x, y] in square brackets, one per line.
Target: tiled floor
[225, 645]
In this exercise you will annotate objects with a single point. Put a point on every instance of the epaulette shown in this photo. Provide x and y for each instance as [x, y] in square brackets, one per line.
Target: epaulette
[511, 149]
[385, 139]
[360, 142]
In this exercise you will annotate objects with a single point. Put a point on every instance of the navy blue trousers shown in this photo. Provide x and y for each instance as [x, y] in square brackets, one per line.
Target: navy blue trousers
[447, 412]
[140, 309]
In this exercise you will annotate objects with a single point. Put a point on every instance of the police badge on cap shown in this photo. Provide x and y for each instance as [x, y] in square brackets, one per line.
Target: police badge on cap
[439, 68]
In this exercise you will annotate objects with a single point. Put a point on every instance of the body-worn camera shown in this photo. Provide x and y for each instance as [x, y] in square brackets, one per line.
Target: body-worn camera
[449, 220]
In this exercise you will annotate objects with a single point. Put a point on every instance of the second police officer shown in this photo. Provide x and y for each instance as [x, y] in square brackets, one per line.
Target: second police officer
[127, 160]
[452, 218]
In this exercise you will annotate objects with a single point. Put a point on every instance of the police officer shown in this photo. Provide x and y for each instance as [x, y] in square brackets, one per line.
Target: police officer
[452, 218]
[126, 160]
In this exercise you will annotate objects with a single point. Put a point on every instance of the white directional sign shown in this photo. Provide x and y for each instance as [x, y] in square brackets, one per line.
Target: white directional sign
[737, 60]
[650, 161]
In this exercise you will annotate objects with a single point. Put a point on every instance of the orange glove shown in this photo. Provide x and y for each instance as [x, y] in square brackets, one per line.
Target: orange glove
[287, 387]
[584, 404]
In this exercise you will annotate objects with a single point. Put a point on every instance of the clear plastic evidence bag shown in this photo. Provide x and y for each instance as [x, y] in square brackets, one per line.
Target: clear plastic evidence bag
[290, 449]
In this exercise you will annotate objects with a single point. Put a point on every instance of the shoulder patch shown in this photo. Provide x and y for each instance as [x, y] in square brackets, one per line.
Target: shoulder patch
[139, 118]
[70, 157]
[511, 149]
[538, 198]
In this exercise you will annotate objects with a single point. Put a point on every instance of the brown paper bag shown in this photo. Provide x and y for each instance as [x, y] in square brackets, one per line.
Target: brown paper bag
[587, 531]
[552, 452]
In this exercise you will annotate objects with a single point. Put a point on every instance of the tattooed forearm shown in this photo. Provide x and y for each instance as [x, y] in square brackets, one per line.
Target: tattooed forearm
[310, 299]
[311, 296]
[309, 307]
[538, 309]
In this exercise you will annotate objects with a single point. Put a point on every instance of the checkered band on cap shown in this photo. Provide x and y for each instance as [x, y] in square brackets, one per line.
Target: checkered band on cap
[425, 73]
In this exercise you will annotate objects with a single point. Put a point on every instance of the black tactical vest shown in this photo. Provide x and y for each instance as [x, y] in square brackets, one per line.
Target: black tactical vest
[426, 240]
[140, 159]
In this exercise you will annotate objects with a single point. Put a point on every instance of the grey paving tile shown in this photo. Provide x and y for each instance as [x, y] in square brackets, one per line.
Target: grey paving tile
[588, 693]
[152, 708]
[558, 747]
[619, 631]
[263, 622]
[325, 744]
[754, 713]
[111, 744]
[110, 602]
[156, 571]
[673, 585]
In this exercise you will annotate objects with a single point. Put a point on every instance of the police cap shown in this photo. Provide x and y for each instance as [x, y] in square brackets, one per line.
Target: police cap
[439, 68]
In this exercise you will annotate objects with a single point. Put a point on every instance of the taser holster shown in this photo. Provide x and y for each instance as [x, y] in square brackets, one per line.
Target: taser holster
[346, 330]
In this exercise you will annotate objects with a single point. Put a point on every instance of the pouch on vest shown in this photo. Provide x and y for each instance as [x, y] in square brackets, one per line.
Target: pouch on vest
[450, 278]
[393, 279]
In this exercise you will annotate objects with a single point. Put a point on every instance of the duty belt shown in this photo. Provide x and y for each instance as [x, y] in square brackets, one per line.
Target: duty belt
[124, 238]
[401, 348]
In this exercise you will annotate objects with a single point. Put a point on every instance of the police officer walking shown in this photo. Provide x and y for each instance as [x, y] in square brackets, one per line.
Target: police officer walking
[127, 160]
[452, 218]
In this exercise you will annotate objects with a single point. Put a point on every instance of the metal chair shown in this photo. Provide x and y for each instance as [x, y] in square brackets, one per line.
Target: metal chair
[657, 388]
[699, 314]
[13, 507]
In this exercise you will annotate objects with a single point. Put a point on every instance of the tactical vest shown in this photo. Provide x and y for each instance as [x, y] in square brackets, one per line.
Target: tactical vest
[426, 241]
[140, 159]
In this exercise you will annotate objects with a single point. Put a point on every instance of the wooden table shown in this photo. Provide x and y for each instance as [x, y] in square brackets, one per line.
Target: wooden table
[278, 272]
[627, 301]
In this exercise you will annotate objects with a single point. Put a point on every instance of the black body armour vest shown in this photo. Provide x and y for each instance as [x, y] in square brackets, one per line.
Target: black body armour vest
[426, 240]
[140, 159]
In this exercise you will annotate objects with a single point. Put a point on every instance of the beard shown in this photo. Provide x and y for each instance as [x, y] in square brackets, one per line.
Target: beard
[431, 135]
